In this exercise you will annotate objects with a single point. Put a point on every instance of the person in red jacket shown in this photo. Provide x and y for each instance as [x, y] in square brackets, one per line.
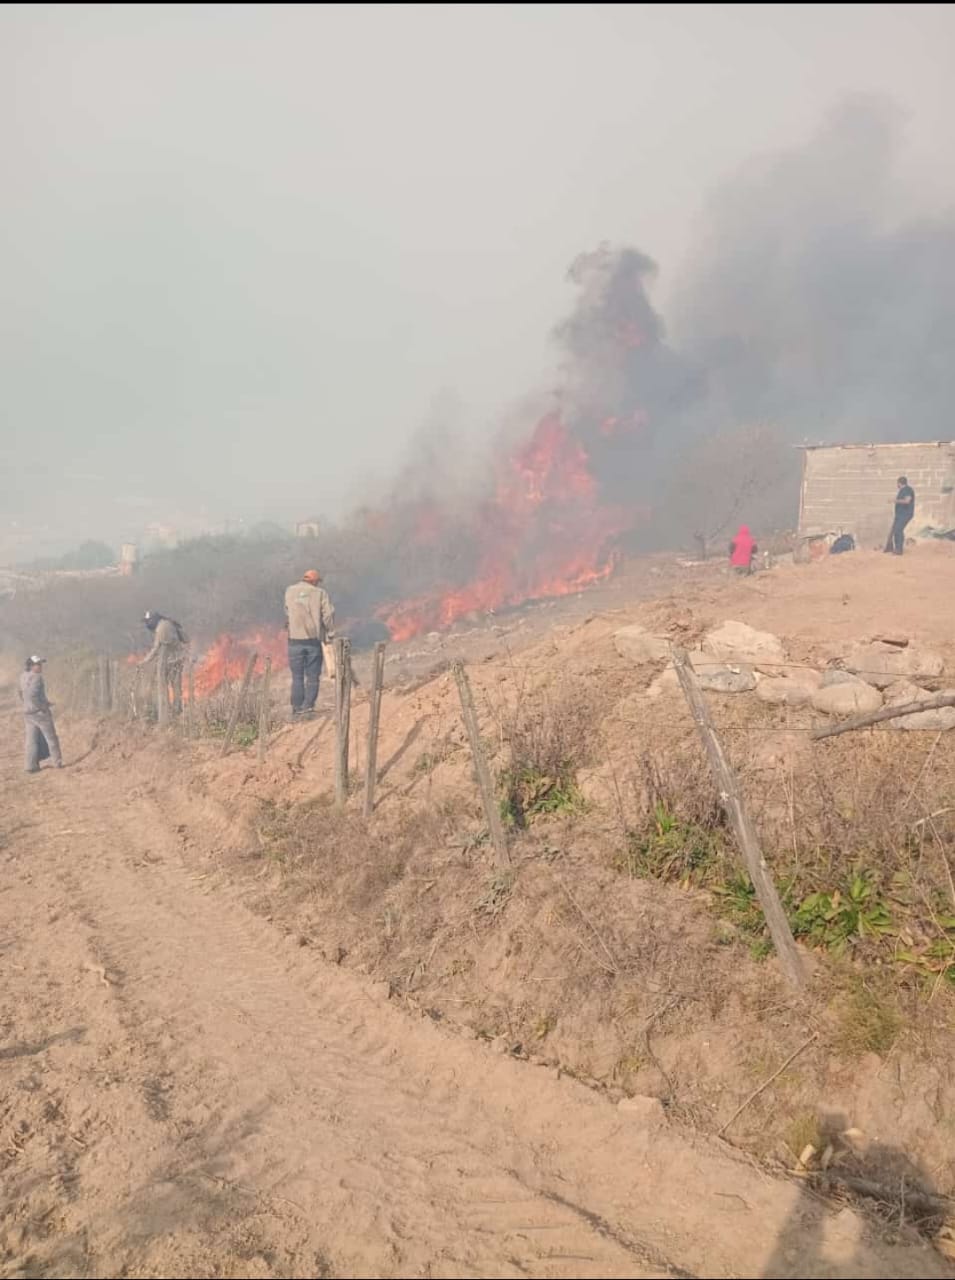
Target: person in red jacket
[743, 551]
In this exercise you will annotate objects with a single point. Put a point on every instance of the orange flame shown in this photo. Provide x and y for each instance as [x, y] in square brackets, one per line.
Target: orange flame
[227, 657]
[543, 534]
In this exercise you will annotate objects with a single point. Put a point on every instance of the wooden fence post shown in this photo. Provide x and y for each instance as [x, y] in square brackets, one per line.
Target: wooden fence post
[265, 708]
[342, 717]
[105, 685]
[162, 693]
[237, 709]
[190, 697]
[742, 825]
[134, 692]
[491, 814]
[374, 714]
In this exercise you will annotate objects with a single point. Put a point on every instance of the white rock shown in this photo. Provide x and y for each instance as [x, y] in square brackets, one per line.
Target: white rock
[714, 677]
[905, 691]
[640, 646]
[737, 642]
[784, 693]
[808, 677]
[937, 718]
[884, 664]
[853, 698]
[720, 677]
[836, 676]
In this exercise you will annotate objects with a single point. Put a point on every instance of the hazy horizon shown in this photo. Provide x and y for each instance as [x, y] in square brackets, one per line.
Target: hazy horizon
[250, 252]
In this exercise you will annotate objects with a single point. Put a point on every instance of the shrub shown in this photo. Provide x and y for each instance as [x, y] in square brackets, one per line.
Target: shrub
[547, 736]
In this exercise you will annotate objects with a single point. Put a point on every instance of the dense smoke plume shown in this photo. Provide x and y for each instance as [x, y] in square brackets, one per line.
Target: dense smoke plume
[808, 313]
[811, 311]
[810, 306]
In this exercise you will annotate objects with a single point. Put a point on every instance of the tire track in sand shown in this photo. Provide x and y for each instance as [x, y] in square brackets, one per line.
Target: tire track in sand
[245, 1109]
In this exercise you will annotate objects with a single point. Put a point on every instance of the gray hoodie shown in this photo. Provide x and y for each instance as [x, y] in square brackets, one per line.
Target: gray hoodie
[33, 693]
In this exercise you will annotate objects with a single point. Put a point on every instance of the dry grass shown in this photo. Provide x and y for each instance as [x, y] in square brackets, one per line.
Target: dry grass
[623, 980]
[857, 831]
[868, 1018]
[339, 857]
[546, 734]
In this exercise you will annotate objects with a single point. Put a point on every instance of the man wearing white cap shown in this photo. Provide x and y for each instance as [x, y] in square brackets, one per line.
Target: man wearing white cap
[311, 621]
[41, 740]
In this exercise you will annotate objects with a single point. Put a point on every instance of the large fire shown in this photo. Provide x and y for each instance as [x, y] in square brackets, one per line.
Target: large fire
[553, 517]
[543, 533]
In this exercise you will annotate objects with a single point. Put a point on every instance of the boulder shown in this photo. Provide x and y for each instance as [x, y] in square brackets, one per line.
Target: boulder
[940, 719]
[784, 693]
[808, 677]
[905, 691]
[852, 697]
[883, 664]
[737, 642]
[640, 645]
[836, 676]
[721, 677]
[714, 677]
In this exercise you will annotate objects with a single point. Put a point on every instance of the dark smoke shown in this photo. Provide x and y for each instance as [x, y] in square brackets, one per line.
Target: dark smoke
[810, 307]
[807, 310]
[808, 313]
[628, 392]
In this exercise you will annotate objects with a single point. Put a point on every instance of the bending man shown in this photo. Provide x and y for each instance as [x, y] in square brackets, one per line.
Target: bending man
[169, 646]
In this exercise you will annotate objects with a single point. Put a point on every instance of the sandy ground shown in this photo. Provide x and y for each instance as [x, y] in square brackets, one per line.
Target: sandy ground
[184, 1093]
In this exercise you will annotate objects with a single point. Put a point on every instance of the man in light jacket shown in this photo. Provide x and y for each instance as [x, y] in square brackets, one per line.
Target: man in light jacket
[170, 643]
[311, 621]
[42, 742]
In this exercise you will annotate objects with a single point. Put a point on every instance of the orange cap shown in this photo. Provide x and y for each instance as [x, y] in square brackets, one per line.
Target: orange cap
[311, 575]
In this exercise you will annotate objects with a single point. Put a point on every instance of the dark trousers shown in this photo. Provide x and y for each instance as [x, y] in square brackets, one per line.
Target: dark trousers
[305, 664]
[896, 542]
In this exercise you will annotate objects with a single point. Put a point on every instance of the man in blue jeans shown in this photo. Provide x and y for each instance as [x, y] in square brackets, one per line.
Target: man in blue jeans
[311, 621]
[904, 511]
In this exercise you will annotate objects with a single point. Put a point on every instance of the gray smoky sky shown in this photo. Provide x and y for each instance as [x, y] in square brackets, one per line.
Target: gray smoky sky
[249, 252]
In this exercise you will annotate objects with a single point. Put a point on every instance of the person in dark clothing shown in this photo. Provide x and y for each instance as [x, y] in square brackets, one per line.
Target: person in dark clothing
[904, 511]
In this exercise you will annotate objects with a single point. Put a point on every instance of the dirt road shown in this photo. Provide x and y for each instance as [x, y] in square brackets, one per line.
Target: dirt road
[184, 1093]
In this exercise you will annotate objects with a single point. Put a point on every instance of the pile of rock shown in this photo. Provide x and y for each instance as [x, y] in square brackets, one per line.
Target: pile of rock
[735, 658]
[901, 670]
